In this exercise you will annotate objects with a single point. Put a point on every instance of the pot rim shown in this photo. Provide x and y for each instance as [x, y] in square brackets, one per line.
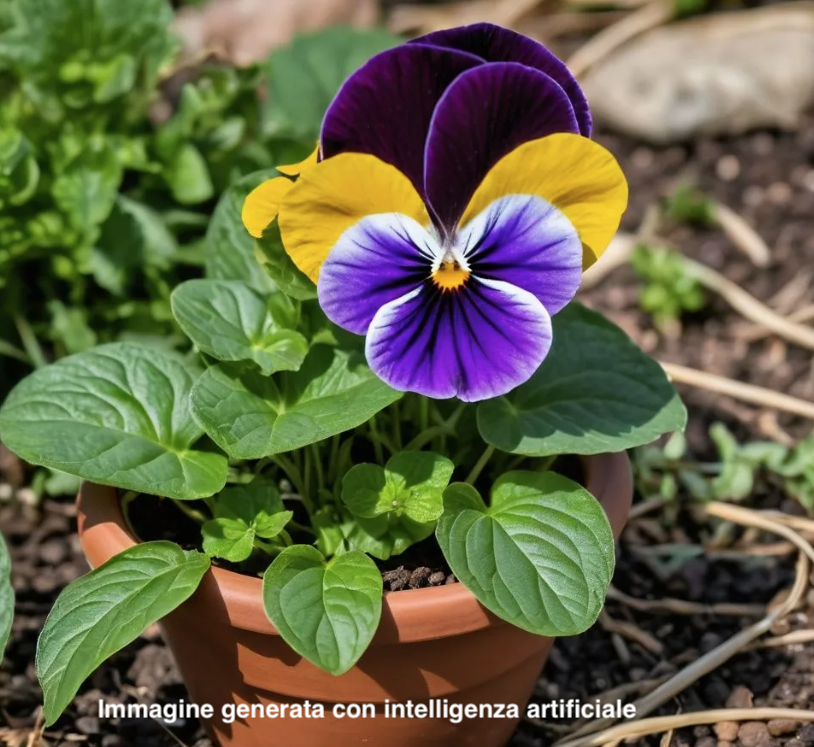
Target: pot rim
[407, 616]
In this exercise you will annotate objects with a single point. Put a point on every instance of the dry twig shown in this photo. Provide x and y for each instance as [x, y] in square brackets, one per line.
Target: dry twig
[682, 607]
[649, 16]
[756, 395]
[742, 235]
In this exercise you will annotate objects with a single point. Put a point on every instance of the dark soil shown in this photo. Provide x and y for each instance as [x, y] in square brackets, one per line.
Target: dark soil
[769, 179]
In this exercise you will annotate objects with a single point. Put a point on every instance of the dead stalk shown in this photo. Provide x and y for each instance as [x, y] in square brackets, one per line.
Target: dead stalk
[714, 658]
[682, 607]
[756, 395]
[649, 16]
[647, 727]
[743, 236]
[747, 305]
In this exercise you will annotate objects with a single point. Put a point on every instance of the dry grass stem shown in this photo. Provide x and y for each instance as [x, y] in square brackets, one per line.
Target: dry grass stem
[743, 236]
[617, 254]
[647, 506]
[747, 305]
[756, 395]
[682, 607]
[631, 632]
[796, 636]
[714, 658]
[647, 727]
[649, 16]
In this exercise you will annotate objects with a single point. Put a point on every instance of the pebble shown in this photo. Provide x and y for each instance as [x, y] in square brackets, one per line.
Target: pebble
[437, 578]
[753, 196]
[755, 734]
[740, 697]
[707, 742]
[724, 743]
[779, 193]
[112, 740]
[794, 743]
[53, 552]
[780, 726]
[726, 731]
[728, 168]
[87, 724]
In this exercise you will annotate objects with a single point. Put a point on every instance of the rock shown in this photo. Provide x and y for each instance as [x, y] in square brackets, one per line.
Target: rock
[726, 731]
[707, 742]
[87, 724]
[779, 727]
[755, 734]
[794, 743]
[708, 76]
[740, 697]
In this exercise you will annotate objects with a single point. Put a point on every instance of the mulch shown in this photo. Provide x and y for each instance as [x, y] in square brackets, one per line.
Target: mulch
[768, 177]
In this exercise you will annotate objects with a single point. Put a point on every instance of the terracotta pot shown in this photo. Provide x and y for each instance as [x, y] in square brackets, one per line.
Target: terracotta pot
[432, 644]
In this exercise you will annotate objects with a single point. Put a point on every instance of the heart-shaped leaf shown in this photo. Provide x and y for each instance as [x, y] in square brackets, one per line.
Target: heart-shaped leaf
[595, 392]
[281, 268]
[253, 416]
[541, 556]
[232, 322]
[100, 613]
[326, 611]
[6, 597]
[118, 415]
[412, 483]
[242, 514]
[229, 249]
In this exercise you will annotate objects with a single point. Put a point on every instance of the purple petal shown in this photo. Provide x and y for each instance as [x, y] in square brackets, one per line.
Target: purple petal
[374, 262]
[385, 107]
[475, 343]
[495, 44]
[525, 241]
[485, 114]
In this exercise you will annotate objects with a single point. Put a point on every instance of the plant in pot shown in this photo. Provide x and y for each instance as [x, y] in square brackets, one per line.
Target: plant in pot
[418, 399]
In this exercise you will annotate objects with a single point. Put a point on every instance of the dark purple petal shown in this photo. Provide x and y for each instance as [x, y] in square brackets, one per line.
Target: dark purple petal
[495, 44]
[385, 107]
[525, 241]
[475, 343]
[484, 115]
[374, 262]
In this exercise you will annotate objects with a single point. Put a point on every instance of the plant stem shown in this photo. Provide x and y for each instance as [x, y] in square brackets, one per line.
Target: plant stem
[423, 413]
[376, 440]
[32, 346]
[197, 516]
[396, 426]
[317, 457]
[295, 476]
[479, 465]
[11, 351]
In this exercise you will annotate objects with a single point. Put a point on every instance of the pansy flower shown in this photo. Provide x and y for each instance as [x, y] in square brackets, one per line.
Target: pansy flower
[456, 203]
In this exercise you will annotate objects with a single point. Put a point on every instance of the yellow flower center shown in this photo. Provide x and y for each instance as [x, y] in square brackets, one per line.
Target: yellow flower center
[450, 276]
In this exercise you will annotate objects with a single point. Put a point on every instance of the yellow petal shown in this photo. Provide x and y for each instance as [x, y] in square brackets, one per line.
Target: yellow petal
[262, 204]
[295, 169]
[574, 174]
[327, 200]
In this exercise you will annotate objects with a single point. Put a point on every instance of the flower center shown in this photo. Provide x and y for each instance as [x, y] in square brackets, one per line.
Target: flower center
[450, 276]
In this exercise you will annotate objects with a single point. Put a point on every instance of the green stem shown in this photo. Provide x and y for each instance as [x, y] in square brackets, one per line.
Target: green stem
[320, 474]
[32, 346]
[423, 413]
[377, 441]
[12, 351]
[428, 435]
[479, 465]
[396, 426]
[295, 476]
[297, 527]
[197, 516]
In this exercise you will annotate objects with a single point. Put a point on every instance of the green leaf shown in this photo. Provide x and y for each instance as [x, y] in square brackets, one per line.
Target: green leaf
[326, 611]
[384, 536]
[595, 392]
[232, 322]
[117, 415]
[86, 190]
[303, 78]
[6, 597]
[282, 270]
[229, 249]
[188, 176]
[240, 515]
[412, 483]
[541, 556]
[252, 416]
[99, 614]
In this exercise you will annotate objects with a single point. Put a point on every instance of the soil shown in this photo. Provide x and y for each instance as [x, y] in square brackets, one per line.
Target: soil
[767, 177]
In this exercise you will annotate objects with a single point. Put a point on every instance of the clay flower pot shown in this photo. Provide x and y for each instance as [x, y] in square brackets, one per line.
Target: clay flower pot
[435, 644]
